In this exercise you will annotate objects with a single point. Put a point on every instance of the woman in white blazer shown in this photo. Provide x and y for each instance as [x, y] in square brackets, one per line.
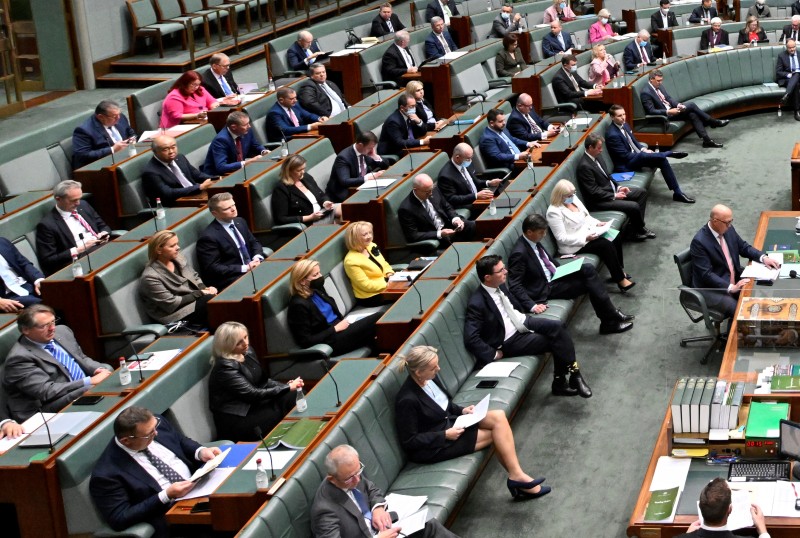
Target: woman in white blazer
[575, 232]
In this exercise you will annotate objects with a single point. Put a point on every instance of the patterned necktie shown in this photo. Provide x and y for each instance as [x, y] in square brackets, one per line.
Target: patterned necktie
[362, 166]
[239, 153]
[444, 43]
[728, 259]
[574, 82]
[545, 259]
[293, 118]
[437, 221]
[225, 88]
[66, 360]
[645, 58]
[115, 136]
[389, 25]
[168, 472]
[534, 127]
[83, 223]
[663, 99]
[246, 259]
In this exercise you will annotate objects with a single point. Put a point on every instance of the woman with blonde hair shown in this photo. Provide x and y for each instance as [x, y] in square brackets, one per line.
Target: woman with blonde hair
[603, 67]
[424, 112]
[559, 11]
[752, 31]
[601, 30]
[241, 397]
[425, 416]
[298, 198]
[364, 265]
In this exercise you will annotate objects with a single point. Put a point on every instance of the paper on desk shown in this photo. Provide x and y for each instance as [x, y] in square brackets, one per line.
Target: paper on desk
[362, 46]
[173, 131]
[72, 423]
[405, 505]
[413, 523]
[247, 87]
[401, 276]
[497, 369]
[28, 427]
[481, 408]
[279, 459]
[156, 361]
[670, 472]
[740, 516]
[209, 466]
[380, 183]
[786, 268]
[209, 484]
[567, 268]
[452, 55]
[250, 97]
[355, 316]
[783, 501]
[759, 271]
[629, 35]
[576, 122]
[344, 52]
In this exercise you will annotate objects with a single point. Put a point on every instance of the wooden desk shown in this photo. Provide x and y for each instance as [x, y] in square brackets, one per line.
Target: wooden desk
[461, 30]
[347, 69]
[436, 79]
[795, 166]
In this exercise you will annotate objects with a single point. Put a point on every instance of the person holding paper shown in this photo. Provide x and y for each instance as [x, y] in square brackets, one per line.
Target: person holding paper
[298, 198]
[143, 470]
[715, 508]
[365, 266]
[355, 165]
[426, 425]
[576, 232]
[531, 278]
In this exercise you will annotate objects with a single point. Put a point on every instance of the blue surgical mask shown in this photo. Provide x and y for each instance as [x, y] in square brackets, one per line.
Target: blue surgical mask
[642, 44]
[573, 69]
[505, 15]
[410, 111]
[466, 163]
[562, 5]
[604, 20]
[569, 200]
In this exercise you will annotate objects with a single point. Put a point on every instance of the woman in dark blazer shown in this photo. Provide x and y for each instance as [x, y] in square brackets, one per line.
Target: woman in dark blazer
[424, 417]
[298, 198]
[241, 397]
[313, 317]
[509, 61]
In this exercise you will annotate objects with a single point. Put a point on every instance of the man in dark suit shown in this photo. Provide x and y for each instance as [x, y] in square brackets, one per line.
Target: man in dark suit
[657, 102]
[143, 470]
[661, 20]
[46, 369]
[499, 147]
[703, 13]
[397, 60]
[286, 118]
[107, 132]
[792, 31]
[354, 165]
[630, 155]
[347, 503]
[218, 78]
[530, 273]
[524, 123]
[458, 182]
[303, 52]
[169, 175]
[570, 87]
[19, 279]
[715, 507]
[439, 42]
[507, 21]
[556, 41]
[602, 193]
[638, 52]
[400, 131]
[497, 328]
[319, 95]
[58, 234]
[438, 8]
[425, 214]
[226, 249]
[714, 36]
[786, 74]
[385, 22]
[715, 250]
[233, 147]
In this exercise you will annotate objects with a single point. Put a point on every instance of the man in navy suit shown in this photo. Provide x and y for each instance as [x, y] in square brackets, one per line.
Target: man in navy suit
[233, 147]
[525, 124]
[303, 52]
[657, 102]
[108, 131]
[445, 10]
[638, 52]
[786, 74]
[499, 147]
[19, 279]
[318, 95]
[354, 165]
[530, 273]
[425, 214]
[662, 19]
[556, 41]
[629, 154]
[403, 128]
[439, 42]
[458, 182]
[497, 328]
[226, 249]
[716, 271]
[143, 470]
[703, 13]
[570, 87]
[397, 60]
[385, 22]
[58, 234]
[169, 175]
[286, 118]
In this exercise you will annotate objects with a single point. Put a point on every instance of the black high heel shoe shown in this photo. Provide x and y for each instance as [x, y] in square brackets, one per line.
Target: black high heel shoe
[624, 289]
[520, 495]
[514, 485]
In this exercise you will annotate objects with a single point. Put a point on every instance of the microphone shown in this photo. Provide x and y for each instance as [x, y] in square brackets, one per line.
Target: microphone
[3, 198]
[139, 359]
[377, 190]
[260, 435]
[152, 212]
[47, 429]
[335, 385]
[792, 274]
[483, 100]
[88, 259]
[532, 169]
[303, 230]
[244, 171]
[509, 200]
[410, 161]
[419, 295]
[377, 88]
[458, 256]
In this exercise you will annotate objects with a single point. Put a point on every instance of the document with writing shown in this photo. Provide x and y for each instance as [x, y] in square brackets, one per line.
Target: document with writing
[405, 505]
[413, 523]
[481, 408]
[759, 271]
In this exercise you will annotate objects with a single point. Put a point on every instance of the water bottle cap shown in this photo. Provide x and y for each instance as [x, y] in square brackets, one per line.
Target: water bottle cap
[258, 461]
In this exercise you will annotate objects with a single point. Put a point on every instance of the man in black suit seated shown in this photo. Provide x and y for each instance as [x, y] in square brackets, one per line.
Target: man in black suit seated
[638, 52]
[792, 31]
[786, 74]
[715, 507]
[169, 175]
[226, 249]
[444, 9]
[107, 132]
[497, 328]
[218, 78]
[71, 228]
[385, 22]
[714, 36]
[458, 183]
[507, 21]
[602, 193]
[319, 95]
[143, 470]
[397, 60]
[439, 42]
[570, 87]
[403, 129]
[657, 102]
[716, 270]
[19, 279]
[524, 123]
[354, 165]
[530, 273]
[303, 52]
[703, 13]
[425, 214]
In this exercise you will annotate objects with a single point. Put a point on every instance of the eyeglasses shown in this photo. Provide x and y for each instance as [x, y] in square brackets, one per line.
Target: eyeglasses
[150, 435]
[48, 324]
[725, 222]
[500, 271]
[357, 473]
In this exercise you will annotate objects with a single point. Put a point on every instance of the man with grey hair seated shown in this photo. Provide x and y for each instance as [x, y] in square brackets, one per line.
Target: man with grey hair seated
[303, 52]
[218, 79]
[792, 31]
[425, 214]
[348, 504]
[439, 42]
[459, 183]
[714, 36]
[398, 60]
[106, 132]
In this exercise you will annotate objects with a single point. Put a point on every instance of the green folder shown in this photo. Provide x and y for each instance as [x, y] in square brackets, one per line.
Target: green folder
[567, 268]
[611, 234]
[295, 435]
[661, 505]
[765, 418]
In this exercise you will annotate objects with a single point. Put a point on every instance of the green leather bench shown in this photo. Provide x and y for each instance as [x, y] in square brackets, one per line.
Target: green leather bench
[144, 106]
[476, 72]
[686, 40]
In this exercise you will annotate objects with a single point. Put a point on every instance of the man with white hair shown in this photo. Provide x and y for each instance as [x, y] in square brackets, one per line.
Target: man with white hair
[792, 31]
[459, 183]
[439, 42]
[303, 52]
[398, 60]
[638, 52]
[425, 214]
[714, 36]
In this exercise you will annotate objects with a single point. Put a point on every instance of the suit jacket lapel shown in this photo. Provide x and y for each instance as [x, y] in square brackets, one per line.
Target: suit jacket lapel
[343, 499]
[126, 464]
[63, 228]
[45, 355]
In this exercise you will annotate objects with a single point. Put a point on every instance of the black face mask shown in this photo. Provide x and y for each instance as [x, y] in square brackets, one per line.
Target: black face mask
[318, 284]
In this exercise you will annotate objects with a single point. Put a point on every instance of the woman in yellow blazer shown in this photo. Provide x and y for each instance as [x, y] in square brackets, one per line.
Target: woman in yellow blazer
[364, 264]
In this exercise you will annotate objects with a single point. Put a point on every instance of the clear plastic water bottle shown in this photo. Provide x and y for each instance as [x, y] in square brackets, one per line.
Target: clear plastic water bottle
[657, 150]
[161, 213]
[124, 373]
[262, 479]
[300, 401]
[663, 57]
[488, 5]
[77, 268]
[284, 149]
[271, 85]
[132, 150]
[780, 110]
[492, 207]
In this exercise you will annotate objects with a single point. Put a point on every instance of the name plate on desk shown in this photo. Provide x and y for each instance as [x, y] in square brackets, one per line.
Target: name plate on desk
[767, 322]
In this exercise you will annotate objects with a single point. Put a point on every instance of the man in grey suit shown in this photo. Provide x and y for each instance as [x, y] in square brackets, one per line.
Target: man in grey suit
[47, 369]
[347, 503]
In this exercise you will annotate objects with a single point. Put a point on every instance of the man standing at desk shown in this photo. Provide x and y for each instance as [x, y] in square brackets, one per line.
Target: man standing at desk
[663, 19]
[715, 506]
[169, 175]
[233, 147]
[385, 22]
[218, 79]
[715, 251]
[107, 132]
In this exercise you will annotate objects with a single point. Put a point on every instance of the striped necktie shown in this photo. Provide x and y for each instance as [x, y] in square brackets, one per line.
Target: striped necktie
[66, 360]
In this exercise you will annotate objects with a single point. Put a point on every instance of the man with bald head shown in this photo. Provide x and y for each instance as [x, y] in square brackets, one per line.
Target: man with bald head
[425, 214]
[303, 52]
[169, 175]
[556, 41]
[458, 182]
[524, 123]
[716, 270]
[398, 60]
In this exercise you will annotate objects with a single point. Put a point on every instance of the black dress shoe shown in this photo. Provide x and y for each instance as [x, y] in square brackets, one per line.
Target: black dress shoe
[650, 233]
[680, 197]
[640, 236]
[624, 289]
[622, 316]
[679, 155]
[797, 115]
[514, 486]
[524, 495]
[785, 99]
[613, 327]
[561, 387]
[719, 123]
[708, 143]
[576, 382]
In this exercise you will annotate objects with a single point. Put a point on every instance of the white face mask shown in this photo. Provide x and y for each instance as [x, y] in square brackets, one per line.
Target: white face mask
[604, 20]
[665, 11]
[505, 15]
[410, 111]
[573, 69]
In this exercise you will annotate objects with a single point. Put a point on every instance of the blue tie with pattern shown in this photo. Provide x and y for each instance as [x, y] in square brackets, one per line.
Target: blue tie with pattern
[66, 360]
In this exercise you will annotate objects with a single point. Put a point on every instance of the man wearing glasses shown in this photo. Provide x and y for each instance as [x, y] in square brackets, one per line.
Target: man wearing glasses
[349, 504]
[143, 470]
[715, 251]
[107, 132]
[47, 369]
[218, 79]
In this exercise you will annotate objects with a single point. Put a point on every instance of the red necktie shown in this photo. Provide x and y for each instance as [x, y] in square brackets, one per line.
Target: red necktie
[239, 154]
[83, 223]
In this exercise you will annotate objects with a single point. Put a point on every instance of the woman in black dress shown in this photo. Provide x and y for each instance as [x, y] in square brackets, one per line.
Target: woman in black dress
[298, 198]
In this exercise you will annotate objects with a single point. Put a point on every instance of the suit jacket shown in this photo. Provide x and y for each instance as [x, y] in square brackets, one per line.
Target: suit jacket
[652, 104]
[426, 121]
[519, 127]
[91, 141]
[709, 268]
[34, 380]
[54, 239]
[290, 205]
[508, 65]
[787, 30]
[744, 36]
[618, 147]
[394, 134]
[19, 264]
[380, 28]
[657, 21]
[595, 186]
[170, 296]
[495, 151]
[796, 8]
[415, 221]
[722, 39]
[234, 387]
[753, 12]
[160, 182]
[307, 324]
[222, 158]
[570, 228]
[296, 56]
[526, 278]
[501, 27]
[123, 491]
[484, 332]
[346, 173]
[699, 13]
[453, 186]
[314, 99]
[393, 66]
[366, 278]
[551, 45]
[434, 48]
[632, 55]
[334, 514]
[783, 68]
[218, 254]
[600, 32]
[279, 126]
[210, 82]
[565, 91]
[434, 9]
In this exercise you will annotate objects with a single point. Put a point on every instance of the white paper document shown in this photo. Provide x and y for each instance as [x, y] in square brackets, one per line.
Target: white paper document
[344, 52]
[355, 316]
[28, 427]
[452, 56]
[481, 408]
[156, 361]
[402, 276]
[759, 271]
[247, 87]
[670, 472]
[413, 523]
[497, 369]
[209, 466]
[72, 423]
[405, 505]
[372, 184]
[250, 97]
[576, 122]
[740, 515]
[279, 459]
[173, 131]
[361, 46]
[209, 484]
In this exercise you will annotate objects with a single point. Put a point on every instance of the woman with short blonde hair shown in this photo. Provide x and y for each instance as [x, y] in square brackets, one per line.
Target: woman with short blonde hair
[364, 265]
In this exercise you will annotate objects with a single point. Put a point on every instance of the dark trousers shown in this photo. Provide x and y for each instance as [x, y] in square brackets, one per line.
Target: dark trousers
[656, 160]
[721, 300]
[27, 300]
[200, 314]
[358, 334]
[586, 281]
[265, 414]
[610, 253]
[633, 205]
[792, 85]
[548, 335]
[697, 117]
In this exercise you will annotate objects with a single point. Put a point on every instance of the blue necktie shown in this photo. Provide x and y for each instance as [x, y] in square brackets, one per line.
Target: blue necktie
[246, 259]
[225, 87]
[362, 503]
[66, 360]
[511, 146]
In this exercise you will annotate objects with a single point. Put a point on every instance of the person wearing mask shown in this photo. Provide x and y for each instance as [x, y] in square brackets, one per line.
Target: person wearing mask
[423, 111]
[507, 21]
[570, 87]
[638, 52]
[559, 11]
[601, 30]
[663, 19]
[459, 183]
[403, 128]
[760, 9]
